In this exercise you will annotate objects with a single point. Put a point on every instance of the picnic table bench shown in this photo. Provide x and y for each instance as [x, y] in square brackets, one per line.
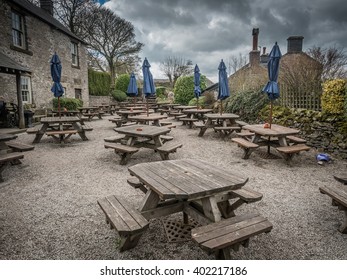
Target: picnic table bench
[247, 146]
[123, 150]
[220, 237]
[127, 221]
[339, 199]
[287, 152]
[168, 148]
[19, 147]
[7, 159]
[61, 135]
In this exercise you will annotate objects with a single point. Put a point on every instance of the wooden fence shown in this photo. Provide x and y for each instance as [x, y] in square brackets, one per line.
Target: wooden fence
[304, 98]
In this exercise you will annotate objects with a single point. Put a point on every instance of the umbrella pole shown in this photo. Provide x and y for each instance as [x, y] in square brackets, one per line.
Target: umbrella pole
[59, 106]
[221, 107]
[147, 105]
[270, 120]
[197, 102]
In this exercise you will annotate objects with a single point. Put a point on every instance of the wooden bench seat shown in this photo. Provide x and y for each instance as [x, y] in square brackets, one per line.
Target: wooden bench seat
[288, 151]
[166, 138]
[7, 159]
[168, 148]
[19, 147]
[230, 233]
[128, 222]
[339, 199]
[227, 128]
[60, 134]
[295, 140]
[34, 129]
[245, 134]
[341, 179]
[123, 150]
[115, 139]
[136, 184]
[241, 123]
[87, 127]
[246, 145]
[198, 124]
[165, 123]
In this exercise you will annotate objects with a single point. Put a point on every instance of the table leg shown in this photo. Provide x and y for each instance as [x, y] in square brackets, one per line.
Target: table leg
[40, 133]
[150, 201]
[81, 132]
[210, 208]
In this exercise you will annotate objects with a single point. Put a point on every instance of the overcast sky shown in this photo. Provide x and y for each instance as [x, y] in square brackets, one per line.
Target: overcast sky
[207, 31]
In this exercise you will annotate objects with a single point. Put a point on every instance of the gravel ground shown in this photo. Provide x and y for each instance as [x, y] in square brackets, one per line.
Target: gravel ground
[49, 204]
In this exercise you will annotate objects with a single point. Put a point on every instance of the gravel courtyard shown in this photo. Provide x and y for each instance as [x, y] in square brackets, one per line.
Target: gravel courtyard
[49, 207]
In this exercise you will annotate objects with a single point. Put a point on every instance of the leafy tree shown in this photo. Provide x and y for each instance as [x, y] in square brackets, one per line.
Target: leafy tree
[184, 88]
[122, 82]
[110, 37]
[175, 67]
[334, 61]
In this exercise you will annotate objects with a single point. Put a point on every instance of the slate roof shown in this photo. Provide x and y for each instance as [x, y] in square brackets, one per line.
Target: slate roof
[8, 63]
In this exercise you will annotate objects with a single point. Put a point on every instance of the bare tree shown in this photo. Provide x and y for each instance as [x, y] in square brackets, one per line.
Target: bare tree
[237, 62]
[334, 61]
[175, 67]
[110, 37]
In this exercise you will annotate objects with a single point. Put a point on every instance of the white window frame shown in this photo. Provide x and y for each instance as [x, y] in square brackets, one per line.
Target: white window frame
[25, 89]
[18, 30]
[74, 54]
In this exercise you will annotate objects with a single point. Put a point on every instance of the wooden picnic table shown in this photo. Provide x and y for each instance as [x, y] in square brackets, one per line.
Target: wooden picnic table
[69, 113]
[144, 119]
[193, 115]
[224, 123]
[90, 112]
[124, 114]
[48, 124]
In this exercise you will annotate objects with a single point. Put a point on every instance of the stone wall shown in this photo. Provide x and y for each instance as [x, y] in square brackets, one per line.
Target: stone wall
[43, 40]
[99, 100]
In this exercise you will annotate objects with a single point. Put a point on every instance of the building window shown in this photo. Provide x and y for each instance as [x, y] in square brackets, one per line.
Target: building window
[18, 32]
[78, 93]
[74, 54]
[25, 87]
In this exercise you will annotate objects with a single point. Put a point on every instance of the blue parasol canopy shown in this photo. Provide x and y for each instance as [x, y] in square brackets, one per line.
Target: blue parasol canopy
[132, 87]
[57, 88]
[148, 84]
[197, 89]
[223, 89]
[271, 87]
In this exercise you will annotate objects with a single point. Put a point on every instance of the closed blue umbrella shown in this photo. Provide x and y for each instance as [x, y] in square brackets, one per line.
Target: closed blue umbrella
[271, 87]
[197, 89]
[132, 87]
[148, 84]
[223, 87]
[57, 88]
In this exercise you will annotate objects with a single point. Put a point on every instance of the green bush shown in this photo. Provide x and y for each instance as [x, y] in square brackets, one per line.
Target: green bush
[70, 104]
[160, 92]
[202, 102]
[99, 83]
[333, 97]
[119, 95]
[247, 104]
[122, 82]
[184, 88]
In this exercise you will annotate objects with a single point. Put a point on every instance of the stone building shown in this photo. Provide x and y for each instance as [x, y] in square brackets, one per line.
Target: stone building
[29, 37]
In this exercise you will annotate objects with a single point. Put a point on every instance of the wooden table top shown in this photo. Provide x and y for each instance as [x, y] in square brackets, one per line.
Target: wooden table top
[222, 116]
[131, 112]
[186, 179]
[197, 111]
[275, 131]
[59, 119]
[184, 107]
[142, 130]
[147, 118]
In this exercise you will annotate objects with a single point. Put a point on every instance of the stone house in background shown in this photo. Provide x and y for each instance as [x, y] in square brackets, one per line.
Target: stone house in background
[29, 37]
[298, 71]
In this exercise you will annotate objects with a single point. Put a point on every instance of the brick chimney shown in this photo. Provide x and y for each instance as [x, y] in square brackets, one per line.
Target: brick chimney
[254, 55]
[47, 5]
[295, 44]
[264, 56]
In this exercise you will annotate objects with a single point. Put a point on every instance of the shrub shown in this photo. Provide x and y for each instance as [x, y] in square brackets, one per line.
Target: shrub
[247, 104]
[160, 92]
[184, 89]
[70, 104]
[202, 102]
[122, 82]
[99, 83]
[119, 95]
[333, 97]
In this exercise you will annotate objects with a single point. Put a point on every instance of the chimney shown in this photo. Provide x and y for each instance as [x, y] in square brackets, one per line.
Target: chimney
[255, 33]
[47, 6]
[295, 44]
[254, 55]
[264, 58]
